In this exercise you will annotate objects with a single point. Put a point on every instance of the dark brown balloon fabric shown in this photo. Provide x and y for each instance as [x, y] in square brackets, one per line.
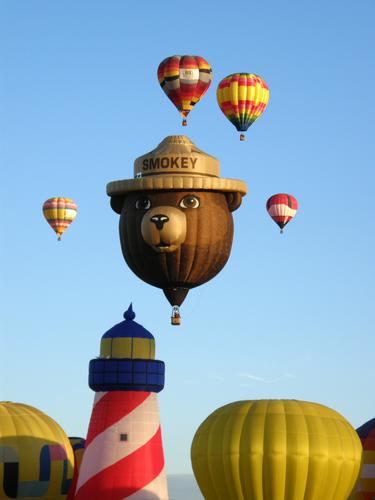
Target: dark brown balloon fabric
[201, 224]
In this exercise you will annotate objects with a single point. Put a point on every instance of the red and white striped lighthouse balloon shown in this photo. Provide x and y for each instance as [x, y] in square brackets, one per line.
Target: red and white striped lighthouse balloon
[123, 457]
[282, 208]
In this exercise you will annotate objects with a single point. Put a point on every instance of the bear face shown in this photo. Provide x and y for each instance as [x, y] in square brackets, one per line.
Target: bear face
[176, 239]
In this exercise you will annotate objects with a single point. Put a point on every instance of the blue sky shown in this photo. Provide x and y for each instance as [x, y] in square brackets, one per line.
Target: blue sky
[289, 316]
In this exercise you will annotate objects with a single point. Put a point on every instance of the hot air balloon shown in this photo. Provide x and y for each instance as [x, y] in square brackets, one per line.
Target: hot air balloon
[276, 450]
[365, 489]
[78, 445]
[242, 98]
[282, 208]
[36, 454]
[176, 224]
[59, 213]
[185, 80]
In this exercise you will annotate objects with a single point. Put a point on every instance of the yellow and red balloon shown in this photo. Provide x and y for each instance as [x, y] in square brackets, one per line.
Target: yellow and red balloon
[242, 97]
[185, 80]
[59, 213]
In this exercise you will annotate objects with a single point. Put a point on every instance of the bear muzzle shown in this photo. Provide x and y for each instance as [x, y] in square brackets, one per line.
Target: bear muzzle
[164, 228]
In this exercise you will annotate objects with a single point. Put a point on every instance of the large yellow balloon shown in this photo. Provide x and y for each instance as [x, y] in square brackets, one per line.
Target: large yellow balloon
[276, 450]
[36, 455]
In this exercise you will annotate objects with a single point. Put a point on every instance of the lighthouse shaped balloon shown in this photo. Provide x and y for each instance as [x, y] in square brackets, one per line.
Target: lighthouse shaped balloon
[185, 80]
[123, 457]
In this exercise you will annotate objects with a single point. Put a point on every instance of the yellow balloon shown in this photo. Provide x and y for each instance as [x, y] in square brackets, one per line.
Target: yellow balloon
[276, 450]
[36, 454]
[59, 213]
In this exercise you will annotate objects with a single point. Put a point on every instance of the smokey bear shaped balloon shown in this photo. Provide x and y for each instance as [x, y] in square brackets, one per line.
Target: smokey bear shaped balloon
[176, 226]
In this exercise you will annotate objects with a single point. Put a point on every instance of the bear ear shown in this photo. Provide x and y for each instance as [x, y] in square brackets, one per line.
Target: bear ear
[117, 203]
[234, 200]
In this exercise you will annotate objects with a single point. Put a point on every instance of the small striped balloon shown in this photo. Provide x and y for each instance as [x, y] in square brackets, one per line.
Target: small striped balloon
[185, 80]
[59, 213]
[242, 97]
[282, 208]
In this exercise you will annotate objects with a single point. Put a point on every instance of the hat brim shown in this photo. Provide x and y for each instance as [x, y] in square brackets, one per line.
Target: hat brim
[176, 182]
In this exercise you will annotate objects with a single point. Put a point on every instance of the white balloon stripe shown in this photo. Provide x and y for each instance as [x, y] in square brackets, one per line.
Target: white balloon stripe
[368, 471]
[139, 426]
[282, 210]
[156, 489]
[98, 397]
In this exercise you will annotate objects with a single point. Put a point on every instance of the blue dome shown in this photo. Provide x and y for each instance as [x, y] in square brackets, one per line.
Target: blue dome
[128, 328]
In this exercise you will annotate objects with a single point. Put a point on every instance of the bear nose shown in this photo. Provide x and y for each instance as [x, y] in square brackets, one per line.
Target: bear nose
[159, 220]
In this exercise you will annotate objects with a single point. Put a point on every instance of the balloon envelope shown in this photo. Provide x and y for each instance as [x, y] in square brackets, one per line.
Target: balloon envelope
[242, 97]
[366, 485]
[276, 450]
[282, 208]
[185, 79]
[176, 224]
[36, 454]
[59, 213]
[78, 445]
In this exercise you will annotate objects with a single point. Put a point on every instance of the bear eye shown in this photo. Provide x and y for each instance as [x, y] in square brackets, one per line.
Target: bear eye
[143, 204]
[189, 202]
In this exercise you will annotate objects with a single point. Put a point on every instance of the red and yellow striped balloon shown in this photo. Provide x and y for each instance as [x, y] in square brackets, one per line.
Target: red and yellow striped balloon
[242, 98]
[59, 213]
[185, 79]
[282, 208]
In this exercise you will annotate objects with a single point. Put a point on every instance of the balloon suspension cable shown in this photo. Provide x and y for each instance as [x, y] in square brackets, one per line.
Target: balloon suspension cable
[184, 122]
[176, 318]
[242, 137]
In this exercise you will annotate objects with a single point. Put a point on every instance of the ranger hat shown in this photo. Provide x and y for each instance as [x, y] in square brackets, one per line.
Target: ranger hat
[176, 164]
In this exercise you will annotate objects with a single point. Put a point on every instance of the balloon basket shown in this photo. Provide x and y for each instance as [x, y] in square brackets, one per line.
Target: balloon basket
[184, 122]
[242, 137]
[175, 318]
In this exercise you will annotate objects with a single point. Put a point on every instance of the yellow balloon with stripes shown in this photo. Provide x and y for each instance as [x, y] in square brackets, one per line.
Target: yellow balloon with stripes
[242, 97]
[276, 450]
[59, 213]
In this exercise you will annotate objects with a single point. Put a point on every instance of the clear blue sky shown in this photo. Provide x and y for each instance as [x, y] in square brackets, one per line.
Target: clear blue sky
[290, 316]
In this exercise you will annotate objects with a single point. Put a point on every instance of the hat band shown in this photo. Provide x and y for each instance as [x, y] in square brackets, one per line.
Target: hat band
[176, 182]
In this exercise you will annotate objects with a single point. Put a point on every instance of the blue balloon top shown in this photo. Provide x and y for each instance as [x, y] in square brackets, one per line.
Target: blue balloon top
[129, 313]
[365, 429]
[128, 328]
